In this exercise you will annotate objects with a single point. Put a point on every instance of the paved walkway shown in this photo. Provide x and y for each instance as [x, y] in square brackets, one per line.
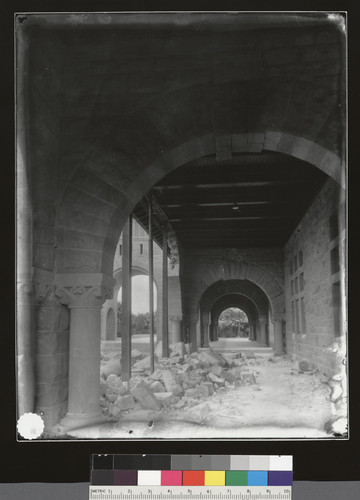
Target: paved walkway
[239, 344]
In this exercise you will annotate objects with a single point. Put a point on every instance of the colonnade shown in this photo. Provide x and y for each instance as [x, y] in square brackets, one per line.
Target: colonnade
[126, 297]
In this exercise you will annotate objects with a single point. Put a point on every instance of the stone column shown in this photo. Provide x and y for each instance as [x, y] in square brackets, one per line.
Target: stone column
[263, 338]
[84, 295]
[278, 338]
[52, 350]
[211, 332]
[175, 329]
[215, 331]
[192, 333]
[126, 301]
[151, 288]
[252, 331]
[205, 328]
[25, 346]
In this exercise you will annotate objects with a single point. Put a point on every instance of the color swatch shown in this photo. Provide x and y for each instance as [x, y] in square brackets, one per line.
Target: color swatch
[192, 470]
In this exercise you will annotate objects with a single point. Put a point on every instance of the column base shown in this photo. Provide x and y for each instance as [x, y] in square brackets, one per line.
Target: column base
[76, 421]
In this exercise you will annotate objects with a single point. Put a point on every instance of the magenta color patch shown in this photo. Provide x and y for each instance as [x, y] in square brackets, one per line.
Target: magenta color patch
[171, 478]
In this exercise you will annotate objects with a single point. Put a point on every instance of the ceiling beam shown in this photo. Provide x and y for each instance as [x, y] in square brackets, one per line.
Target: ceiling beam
[258, 217]
[228, 185]
[227, 203]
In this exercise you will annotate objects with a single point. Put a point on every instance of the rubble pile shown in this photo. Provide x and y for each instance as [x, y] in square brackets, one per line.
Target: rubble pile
[180, 388]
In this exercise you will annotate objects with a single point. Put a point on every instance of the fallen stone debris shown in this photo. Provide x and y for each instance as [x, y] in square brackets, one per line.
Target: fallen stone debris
[180, 388]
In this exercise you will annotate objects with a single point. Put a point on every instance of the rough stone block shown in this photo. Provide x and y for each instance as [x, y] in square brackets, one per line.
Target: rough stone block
[236, 371]
[192, 393]
[115, 383]
[114, 411]
[144, 395]
[111, 367]
[125, 402]
[210, 387]
[136, 354]
[111, 395]
[228, 376]
[171, 383]
[216, 370]
[165, 398]
[203, 390]
[246, 378]
[178, 349]
[215, 379]
[198, 413]
[180, 404]
[207, 359]
[143, 364]
[133, 381]
[157, 386]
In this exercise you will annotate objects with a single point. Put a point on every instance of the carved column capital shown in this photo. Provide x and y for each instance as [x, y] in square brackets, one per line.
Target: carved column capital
[24, 291]
[174, 317]
[43, 286]
[84, 290]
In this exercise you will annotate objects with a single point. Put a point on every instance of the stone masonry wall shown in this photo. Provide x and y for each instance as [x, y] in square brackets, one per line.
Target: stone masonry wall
[52, 359]
[311, 332]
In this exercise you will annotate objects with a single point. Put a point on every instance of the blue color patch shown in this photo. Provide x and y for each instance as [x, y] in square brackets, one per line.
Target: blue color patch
[257, 478]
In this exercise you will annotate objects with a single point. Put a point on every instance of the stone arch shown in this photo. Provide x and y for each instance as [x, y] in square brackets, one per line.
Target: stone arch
[136, 270]
[238, 291]
[108, 207]
[229, 272]
[233, 300]
[112, 303]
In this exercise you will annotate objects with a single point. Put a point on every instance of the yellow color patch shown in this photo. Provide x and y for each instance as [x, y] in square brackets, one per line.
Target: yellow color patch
[214, 478]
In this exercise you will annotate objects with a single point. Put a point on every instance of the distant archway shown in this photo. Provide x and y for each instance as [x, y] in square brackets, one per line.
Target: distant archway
[232, 322]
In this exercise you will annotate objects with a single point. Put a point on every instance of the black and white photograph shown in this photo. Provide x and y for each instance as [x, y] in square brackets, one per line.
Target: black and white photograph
[181, 238]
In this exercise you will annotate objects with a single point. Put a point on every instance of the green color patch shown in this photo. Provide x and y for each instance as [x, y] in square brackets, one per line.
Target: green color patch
[236, 478]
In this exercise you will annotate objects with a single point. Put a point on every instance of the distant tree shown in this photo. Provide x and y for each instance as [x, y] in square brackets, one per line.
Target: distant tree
[140, 323]
[232, 322]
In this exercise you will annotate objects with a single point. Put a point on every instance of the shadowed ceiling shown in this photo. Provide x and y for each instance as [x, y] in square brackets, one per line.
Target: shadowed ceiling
[251, 200]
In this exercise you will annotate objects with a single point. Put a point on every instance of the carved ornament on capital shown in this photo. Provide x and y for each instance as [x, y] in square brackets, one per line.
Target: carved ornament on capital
[44, 292]
[86, 291]
[83, 296]
[24, 291]
[175, 317]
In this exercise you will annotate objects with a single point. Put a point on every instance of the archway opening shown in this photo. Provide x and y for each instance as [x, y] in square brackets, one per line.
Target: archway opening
[140, 312]
[233, 322]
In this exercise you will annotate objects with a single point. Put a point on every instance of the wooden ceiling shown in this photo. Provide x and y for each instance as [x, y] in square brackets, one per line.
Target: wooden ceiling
[252, 200]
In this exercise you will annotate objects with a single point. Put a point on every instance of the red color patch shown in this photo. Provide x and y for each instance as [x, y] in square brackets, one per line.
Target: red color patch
[193, 478]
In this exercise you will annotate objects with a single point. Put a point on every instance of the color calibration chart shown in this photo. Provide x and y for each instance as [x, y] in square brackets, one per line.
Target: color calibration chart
[182, 477]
